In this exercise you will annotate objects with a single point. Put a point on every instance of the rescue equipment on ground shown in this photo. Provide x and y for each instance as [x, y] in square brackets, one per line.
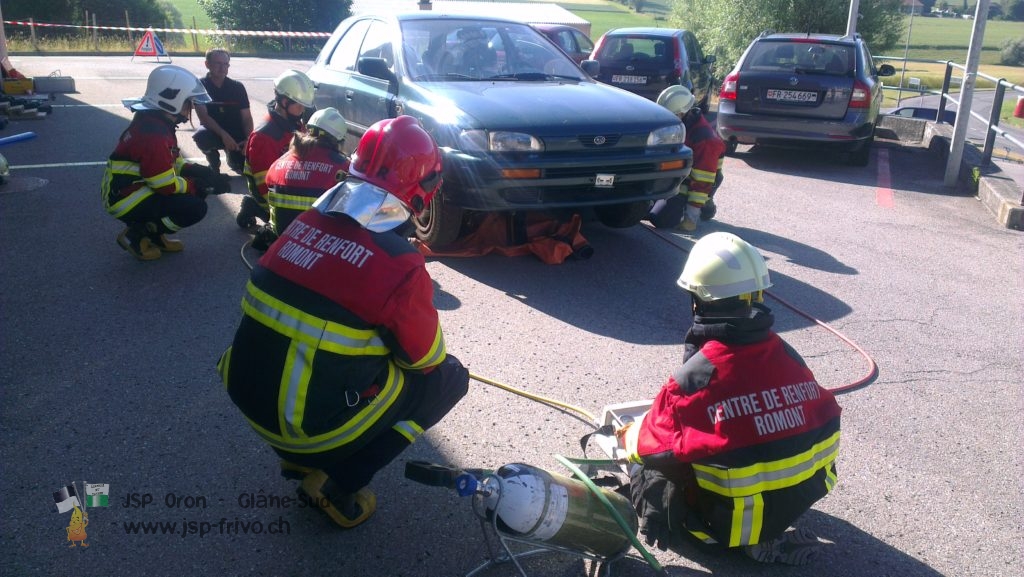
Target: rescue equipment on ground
[526, 506]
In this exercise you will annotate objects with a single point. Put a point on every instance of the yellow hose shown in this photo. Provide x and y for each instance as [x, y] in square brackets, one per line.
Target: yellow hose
[547, 401]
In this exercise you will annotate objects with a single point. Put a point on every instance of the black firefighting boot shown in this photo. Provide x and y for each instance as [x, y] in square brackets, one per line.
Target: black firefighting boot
[348, 510]
[135, 240]
[708, 211]
[264, 237]
[249, 212]
[156, 236]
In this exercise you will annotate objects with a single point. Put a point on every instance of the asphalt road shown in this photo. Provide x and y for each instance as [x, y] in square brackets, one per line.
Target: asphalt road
[108, 371]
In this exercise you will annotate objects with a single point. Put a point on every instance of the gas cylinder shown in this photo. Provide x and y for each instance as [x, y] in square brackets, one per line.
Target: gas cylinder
[532, 503]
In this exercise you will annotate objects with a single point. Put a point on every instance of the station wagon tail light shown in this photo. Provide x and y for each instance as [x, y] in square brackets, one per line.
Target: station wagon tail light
[861, 95]
[678, 59]
[728, 91]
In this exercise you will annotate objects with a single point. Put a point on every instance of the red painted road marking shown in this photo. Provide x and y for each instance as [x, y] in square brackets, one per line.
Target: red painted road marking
[883, 194]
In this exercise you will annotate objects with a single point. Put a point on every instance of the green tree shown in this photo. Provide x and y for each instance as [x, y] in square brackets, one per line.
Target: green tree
[295, 15]
[1014, 10]
[926, 6]
[726, 27]
[107, 13]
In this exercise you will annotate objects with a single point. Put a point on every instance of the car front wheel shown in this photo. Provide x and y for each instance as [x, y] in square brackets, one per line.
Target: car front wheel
[622, 215]
[440, 223]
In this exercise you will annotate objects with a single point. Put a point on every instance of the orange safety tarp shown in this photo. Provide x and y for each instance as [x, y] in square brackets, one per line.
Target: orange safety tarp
[549, 239]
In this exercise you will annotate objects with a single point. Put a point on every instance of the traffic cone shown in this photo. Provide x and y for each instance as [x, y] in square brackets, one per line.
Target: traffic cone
[1018, 111]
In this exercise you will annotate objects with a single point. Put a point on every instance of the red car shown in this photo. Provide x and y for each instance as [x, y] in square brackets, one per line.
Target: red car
[571, 40]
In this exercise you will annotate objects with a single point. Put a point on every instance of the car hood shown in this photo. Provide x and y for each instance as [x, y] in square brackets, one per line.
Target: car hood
[540, 108]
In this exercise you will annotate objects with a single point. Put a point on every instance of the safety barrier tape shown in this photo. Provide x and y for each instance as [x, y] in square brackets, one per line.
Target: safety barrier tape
[275, 34]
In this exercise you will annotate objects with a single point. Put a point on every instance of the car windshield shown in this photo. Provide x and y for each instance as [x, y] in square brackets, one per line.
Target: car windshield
[467, 50]
[801, 56]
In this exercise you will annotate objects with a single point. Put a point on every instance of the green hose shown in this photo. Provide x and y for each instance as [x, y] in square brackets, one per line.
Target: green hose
[614, 513]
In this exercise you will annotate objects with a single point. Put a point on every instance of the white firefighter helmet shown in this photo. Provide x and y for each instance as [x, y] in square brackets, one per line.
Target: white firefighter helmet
[722, 265]
[5, 169]
[330, 121]
[168, 88]
[296, 86]
[677, 99]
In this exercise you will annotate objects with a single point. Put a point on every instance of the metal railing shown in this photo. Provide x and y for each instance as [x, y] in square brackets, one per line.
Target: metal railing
[992, 122]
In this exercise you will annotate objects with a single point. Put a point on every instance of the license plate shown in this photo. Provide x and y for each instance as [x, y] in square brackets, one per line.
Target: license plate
[604, 180]
[626, 79]
[792, 95]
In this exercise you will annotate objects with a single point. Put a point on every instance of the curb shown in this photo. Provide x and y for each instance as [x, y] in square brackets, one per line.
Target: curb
[998, 191]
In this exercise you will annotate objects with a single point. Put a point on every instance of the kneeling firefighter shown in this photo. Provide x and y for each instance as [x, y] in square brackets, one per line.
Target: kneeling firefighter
[339, 362]
[741, 440]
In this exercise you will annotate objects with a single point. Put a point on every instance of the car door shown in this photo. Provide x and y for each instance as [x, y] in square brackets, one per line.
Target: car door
[371, 98]
[331, 75]
[698, 67]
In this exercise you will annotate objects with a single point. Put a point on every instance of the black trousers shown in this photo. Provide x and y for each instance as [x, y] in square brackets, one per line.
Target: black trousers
[209, 143]
[169, 212]
[431, 396]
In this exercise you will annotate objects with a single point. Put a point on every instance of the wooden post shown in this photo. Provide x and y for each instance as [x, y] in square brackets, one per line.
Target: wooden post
[128, 25]
[32, 33]
[195, 37]
[95, 33]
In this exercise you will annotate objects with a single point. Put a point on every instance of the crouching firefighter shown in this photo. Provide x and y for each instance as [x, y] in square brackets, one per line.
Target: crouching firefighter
[694, 201]
[741, 440]
[147, 184]
[339, 362]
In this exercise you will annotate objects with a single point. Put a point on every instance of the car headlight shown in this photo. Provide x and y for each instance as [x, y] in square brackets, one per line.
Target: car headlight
[499, 141]
[675, 134]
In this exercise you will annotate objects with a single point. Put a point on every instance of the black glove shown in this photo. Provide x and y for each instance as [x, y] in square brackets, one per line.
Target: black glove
[221, 184]
[658, 505]
[198, 172]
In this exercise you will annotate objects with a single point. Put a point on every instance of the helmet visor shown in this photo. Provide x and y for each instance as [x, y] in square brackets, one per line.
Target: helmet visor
[371, 206]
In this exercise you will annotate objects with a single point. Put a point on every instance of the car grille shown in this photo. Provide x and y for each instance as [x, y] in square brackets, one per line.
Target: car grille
[586, 195]
[599, 140]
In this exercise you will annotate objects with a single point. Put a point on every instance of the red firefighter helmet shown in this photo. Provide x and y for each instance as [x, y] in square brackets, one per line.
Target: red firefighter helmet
[398, 156]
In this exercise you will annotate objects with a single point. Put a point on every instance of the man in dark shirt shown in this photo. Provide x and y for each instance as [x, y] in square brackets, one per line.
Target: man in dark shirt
[226, 120]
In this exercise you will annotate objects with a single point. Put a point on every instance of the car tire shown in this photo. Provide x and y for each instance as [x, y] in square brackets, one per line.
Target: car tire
[861, 156]
[622, 215]
[440, 223]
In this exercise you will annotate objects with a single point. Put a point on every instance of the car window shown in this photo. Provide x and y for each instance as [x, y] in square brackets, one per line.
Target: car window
[377, 44]
[463, 49]
[693, 50]
[584, 43]
[564, 40]
[869, 62]
[800, 56]
[344, 55]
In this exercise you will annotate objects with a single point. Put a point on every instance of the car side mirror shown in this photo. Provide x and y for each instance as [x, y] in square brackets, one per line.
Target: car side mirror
[375, 67]
[886, 70]
[710, 59]
[591, 67]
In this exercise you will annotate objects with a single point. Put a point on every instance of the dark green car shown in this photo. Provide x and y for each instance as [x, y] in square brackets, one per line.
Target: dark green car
[521, 126]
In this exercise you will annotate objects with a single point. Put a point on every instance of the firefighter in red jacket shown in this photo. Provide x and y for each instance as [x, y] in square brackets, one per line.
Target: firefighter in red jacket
[695, 199]
[741, 440]
[293, 100]
[147, 184]
[314, 163]
[339, 362]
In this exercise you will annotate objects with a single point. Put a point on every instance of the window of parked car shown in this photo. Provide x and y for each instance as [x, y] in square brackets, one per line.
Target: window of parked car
[344, 55]
[377, 44]
[801, 56]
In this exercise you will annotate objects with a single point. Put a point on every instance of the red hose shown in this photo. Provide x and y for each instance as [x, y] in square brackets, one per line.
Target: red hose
[872, 366]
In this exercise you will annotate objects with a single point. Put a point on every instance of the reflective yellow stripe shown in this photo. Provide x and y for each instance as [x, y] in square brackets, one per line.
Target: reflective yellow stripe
[703, 537]
[291, 402]
[434, 355]
[761, 477]
[747, 520]
[290, 201]
[702, 175]
[310, 330]
[126, 204]
[830, 478]
[409, 429]
[351, 430]
[223, 366]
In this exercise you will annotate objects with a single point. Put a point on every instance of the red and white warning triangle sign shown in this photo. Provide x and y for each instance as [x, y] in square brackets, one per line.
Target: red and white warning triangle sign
[150, 45]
